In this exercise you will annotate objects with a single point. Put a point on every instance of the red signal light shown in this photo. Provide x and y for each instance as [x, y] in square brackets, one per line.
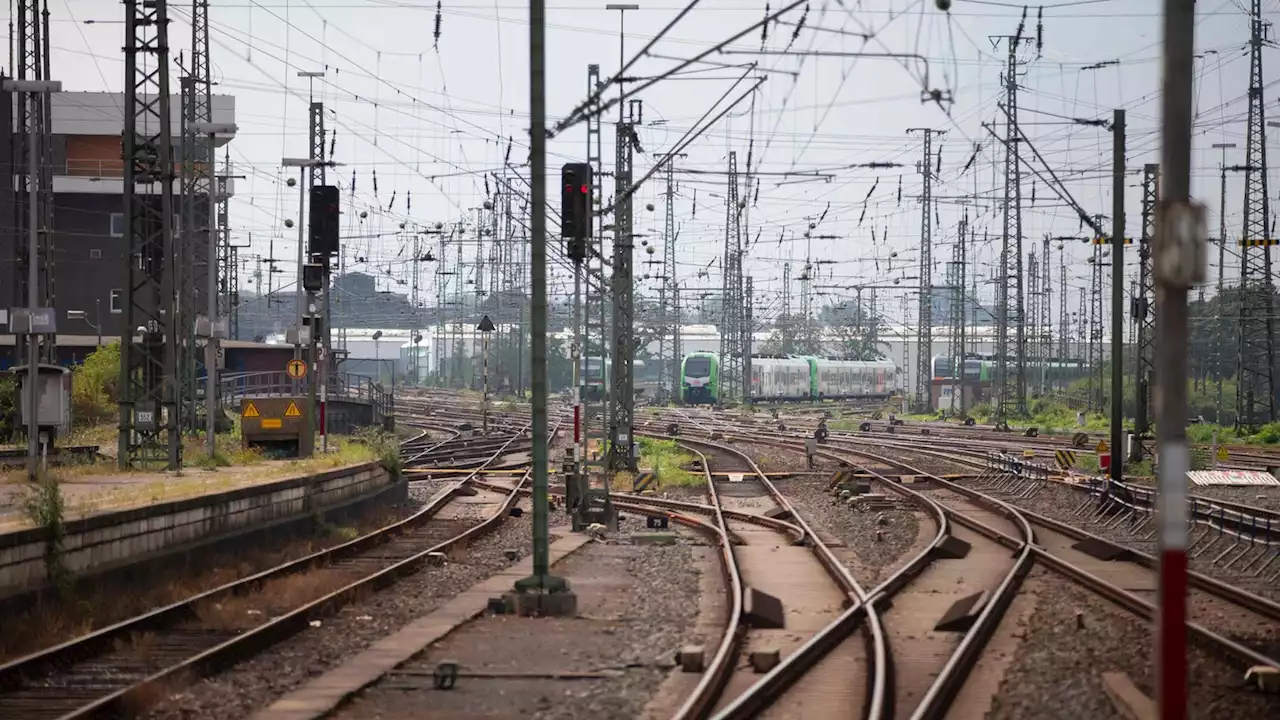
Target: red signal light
[586, 189]
[568, 188]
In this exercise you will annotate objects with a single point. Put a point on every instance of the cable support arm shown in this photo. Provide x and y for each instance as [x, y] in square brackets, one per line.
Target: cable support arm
[580, 113]
[688, 139]
[1061, 192]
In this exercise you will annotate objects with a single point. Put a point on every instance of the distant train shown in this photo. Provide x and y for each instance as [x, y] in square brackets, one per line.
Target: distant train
[798, 378]
[595, 385]
[982, 370]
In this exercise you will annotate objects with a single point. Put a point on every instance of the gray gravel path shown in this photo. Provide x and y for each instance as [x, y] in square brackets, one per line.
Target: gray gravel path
[866, 556]
[1074, 636]
[254, 684]
[636, 606]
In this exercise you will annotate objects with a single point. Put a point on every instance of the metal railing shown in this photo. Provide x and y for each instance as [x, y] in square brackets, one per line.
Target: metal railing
[342, 387]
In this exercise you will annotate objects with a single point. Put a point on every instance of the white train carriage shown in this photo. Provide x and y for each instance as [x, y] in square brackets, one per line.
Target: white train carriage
[780, 379]
[854, 379]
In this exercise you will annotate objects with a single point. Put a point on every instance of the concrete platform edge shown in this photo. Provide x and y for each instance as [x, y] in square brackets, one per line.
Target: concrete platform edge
[324, 694]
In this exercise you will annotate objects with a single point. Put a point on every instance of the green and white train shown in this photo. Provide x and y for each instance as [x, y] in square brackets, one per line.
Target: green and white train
[796, 378]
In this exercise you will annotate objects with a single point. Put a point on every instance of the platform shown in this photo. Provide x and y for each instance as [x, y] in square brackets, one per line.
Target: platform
[112, 521]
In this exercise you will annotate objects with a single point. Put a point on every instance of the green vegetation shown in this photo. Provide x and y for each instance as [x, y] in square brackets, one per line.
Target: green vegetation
[93, 386]
[377, 445]
[8, 407]
[665, 457]
[45, 507]
[1056, 417]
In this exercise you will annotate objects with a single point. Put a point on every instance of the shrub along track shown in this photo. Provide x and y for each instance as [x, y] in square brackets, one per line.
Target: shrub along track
[120, 669]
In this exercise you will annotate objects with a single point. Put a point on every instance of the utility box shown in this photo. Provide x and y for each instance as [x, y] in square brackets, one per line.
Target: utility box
[53, 397]
[276, 423]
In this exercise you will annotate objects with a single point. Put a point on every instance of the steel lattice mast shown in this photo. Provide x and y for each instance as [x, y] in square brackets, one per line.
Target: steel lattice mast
[1143, 311]
[228, 256]
[622, 396]
[148, 367]
[33, 110]
[1011, 384]
[1255, 389]
[731, 350]
[955, 278]
[197, 198]
[924, 332]
[669, 338]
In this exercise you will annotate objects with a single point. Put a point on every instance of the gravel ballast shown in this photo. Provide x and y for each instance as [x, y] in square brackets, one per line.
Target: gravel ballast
[637, 605]
[1074, 636]
[257, 682]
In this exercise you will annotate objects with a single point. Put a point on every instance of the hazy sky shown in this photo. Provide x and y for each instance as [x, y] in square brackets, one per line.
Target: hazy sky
[431, 120]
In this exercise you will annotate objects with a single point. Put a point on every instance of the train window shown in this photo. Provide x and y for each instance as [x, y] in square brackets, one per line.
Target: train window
[698, 366]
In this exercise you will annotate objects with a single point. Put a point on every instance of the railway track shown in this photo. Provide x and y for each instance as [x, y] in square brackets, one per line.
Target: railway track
[117, 670]
[1217, 608]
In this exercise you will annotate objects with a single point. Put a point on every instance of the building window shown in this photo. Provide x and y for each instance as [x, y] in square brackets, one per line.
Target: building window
[117, 224]
[95, 254]
[117, 301]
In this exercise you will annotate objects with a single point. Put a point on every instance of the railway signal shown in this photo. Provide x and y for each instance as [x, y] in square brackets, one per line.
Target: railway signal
[576, 191]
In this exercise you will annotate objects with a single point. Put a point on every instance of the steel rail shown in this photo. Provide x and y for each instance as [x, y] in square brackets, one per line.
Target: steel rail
[124, 700]
[701, 701]
[1224, 591]
[836, 631]
[950, 679]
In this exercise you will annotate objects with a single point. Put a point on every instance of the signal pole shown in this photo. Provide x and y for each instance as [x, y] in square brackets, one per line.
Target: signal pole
[1117, 296]
[541, 584]
[1178, 264]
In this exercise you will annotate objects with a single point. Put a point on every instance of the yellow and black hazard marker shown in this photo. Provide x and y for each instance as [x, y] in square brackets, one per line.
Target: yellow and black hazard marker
[645, 482]
[1066, 459]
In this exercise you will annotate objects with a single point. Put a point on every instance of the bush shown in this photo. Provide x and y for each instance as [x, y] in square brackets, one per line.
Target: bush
[93, 386]
[9, 407]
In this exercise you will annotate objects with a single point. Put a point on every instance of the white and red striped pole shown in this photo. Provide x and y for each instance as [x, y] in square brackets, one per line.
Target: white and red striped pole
[1178, 261]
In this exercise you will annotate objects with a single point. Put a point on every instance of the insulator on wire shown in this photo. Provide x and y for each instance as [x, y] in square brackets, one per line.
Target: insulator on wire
[408, 202]
[375, 183]
[393, 201]
[1039, 32]
[938, 170]
[899, 191]
[863, 215]
[333, 142]
[1033, 193]
[436, 45]
[353, 181]
[799, 26]
[874, 185]
[764, 27]
[486, 186]
[825, 210]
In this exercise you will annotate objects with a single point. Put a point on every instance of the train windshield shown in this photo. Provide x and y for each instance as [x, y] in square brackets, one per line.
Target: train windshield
[699, 366]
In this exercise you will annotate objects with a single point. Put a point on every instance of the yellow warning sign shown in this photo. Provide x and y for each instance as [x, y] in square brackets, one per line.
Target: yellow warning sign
[292, 410]
[251, 410]
[1103, 447]
[272, 423]
[1028, 453]
[1223, 454]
